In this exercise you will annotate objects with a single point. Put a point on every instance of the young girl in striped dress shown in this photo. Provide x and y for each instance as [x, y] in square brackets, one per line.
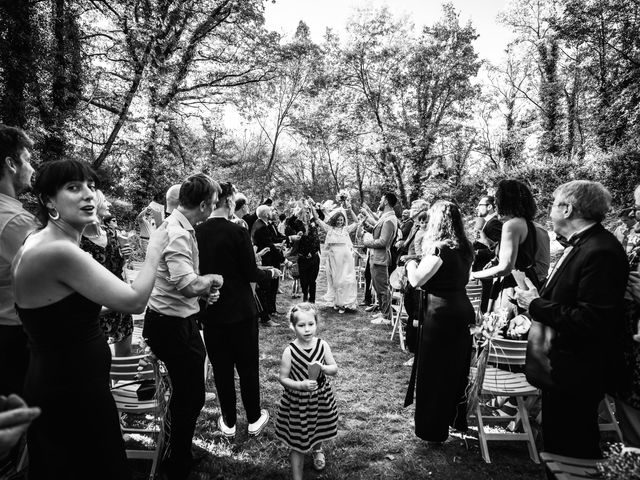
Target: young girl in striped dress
[307, 415]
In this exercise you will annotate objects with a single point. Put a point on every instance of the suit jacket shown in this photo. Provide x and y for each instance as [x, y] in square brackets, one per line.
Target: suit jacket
[384, 234]
[492, 229]
[225, 249]
[582, 302]
[264, 237]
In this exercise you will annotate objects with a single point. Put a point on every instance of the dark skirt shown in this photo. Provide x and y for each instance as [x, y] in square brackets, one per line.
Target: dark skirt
[443, 362]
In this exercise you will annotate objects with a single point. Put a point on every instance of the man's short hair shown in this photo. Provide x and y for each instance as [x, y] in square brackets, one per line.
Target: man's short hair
[12, 141]
[590, 200]
[196, 189]
[227, 189]
[489, 199]
[268, 202]
[241, 201]
[391, 199]
[263, 211]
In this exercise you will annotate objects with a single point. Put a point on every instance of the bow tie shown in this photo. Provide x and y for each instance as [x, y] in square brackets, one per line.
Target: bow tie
[574, 239]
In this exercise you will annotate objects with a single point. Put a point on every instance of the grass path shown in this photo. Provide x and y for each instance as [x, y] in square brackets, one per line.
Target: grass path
[375, 433]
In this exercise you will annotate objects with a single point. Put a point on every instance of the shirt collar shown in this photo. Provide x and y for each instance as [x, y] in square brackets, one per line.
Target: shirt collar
[14, 202]
[182, 220]
[574, 238]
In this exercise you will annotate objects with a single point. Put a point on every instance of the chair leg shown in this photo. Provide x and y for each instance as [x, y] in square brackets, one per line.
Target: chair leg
[526, 427]
[484, 448]
[612, 422]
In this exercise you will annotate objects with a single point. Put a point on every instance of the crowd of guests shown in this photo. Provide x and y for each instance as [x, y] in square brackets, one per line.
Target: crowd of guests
[212, 265]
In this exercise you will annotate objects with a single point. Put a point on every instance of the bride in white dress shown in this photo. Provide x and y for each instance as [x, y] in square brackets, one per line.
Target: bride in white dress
[342, 289]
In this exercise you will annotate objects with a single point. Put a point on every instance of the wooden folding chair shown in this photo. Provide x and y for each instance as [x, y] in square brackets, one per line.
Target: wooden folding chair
[474, 292]
[607, 419]
[504, 383]
[126, 375]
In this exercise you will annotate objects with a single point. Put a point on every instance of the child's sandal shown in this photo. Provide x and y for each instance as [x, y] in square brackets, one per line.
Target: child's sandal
[318, 460]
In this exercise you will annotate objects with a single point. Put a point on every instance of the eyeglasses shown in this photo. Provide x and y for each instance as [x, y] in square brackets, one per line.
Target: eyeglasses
[484, 204]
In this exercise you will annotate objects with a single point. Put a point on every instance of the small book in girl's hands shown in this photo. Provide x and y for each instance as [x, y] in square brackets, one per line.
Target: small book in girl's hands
[314, 371]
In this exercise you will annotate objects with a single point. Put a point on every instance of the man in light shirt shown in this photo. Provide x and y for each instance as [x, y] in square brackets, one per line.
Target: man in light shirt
[15, 224]
[170, 321]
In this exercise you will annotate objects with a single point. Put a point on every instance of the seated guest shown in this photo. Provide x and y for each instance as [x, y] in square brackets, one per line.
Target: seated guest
[582, 303]
[230, 324]
[59, 291]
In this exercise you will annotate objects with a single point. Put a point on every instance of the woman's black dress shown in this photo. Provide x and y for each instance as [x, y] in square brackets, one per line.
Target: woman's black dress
[444, 350]
[77, 436]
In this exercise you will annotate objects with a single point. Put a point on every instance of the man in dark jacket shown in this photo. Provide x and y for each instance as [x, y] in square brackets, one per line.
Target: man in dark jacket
[230, 324]
[582, 302]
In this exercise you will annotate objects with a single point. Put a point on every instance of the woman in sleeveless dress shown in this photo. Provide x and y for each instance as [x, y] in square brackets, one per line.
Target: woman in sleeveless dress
[59, 291]
[105, 248]
[517, 247]
[342, 289]
[443, 357]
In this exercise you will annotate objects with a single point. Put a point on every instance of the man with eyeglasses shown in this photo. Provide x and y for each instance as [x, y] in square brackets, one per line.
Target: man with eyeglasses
[489, 236]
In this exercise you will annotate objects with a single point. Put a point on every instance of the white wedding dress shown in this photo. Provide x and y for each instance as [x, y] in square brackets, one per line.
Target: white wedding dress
[342, 290]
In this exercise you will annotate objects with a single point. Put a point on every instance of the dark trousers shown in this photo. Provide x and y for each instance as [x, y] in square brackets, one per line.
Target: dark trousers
[308, 268]
[14, 359]
[570, 423]
[177, 342]
[229, 346]
[368, 297]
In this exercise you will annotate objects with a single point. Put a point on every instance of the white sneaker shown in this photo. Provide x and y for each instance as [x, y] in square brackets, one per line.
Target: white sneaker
[381, 321]
[256, 427]
[228, 432]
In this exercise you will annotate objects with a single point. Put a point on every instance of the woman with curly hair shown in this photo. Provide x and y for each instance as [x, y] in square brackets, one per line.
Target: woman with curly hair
[442, 361]
[517, 247]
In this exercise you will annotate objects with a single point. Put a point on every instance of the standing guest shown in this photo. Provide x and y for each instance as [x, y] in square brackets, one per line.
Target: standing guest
[242, 208]
[581, 302]
[442, 362]
[342, 289]
[485, 247]
[379, 245]
[15, 224]
[170, 321]
[172, 199]
[250, 218]
[628, 397]
[518, 243]
[230, 324]
[627, 218]
[59, 291]
[105, 249]
[148, 220]
[405, 229]
[307, 415]
[308, 256]
[281, 224]
[264, 237]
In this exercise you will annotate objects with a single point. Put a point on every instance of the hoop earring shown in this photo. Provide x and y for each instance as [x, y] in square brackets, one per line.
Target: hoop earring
[55, 216]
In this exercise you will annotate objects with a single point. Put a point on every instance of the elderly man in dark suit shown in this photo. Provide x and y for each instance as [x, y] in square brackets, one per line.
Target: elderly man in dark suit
[230, 324]
[581, 301]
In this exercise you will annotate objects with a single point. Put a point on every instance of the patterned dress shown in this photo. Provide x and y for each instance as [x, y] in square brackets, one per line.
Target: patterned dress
[115, 325]
[306, 418]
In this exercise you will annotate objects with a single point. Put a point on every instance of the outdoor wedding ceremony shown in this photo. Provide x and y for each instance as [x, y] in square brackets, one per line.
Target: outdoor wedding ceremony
[291, 239]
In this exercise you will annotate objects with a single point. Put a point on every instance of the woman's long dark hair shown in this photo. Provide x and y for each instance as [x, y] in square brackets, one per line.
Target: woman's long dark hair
[52, 176]
[514, 199]
[445, 227]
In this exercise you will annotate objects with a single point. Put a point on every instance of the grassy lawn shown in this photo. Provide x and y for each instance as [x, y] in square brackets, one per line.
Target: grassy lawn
[375, 433]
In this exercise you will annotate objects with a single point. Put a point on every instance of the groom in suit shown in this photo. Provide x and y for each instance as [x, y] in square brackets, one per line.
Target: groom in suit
[581, 301]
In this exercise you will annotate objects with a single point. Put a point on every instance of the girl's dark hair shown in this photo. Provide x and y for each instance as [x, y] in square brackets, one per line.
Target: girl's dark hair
[445, 227]
[302, 307]
[52, 176]
[514, 199]
[227, 189]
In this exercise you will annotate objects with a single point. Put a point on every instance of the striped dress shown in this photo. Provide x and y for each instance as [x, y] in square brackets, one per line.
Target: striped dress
[306, 418]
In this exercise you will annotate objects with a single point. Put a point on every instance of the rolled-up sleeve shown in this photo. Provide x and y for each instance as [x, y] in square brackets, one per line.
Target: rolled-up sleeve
[178, 256]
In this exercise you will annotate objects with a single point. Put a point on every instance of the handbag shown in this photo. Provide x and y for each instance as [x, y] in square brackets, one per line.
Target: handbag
[537, 367]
